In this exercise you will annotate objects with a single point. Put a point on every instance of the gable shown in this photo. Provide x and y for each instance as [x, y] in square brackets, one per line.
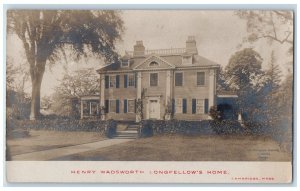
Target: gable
[154, 62]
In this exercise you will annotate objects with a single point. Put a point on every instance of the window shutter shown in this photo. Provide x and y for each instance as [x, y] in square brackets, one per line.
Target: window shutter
[173, 105]
[135, 79]
[117, 106]
[117, 81]
[125, 80]
[135, 106]
[106, 82]
[206, 106]
[125, 105]
[184, 106]
[106, 106]
[193, 106]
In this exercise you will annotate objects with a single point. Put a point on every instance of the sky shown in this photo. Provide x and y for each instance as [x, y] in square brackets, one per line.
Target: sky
[218, 35]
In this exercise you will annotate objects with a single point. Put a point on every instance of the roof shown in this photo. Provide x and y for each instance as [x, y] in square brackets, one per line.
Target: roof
[172, 56]
[226, 94]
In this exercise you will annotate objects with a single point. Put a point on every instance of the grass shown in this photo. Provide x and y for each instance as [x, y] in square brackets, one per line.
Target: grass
[189, 148]
[38, 140]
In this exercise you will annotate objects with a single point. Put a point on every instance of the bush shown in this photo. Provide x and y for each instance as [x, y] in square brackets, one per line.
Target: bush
[227, 127]
[145, 129]
[110, 128]
[153, 127]
[58, 124]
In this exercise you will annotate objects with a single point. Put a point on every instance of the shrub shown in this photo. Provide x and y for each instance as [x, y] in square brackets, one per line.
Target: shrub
[110, 128]
[153, 127]
[227, 127]
[145, 129]
[58, 124]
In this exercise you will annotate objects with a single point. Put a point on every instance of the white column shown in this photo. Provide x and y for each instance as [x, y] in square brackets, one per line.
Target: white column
[168, 99]
[81, 109]
[138, 93]
[212, 88]
[168, 86]
[90, 107]
[102, 94]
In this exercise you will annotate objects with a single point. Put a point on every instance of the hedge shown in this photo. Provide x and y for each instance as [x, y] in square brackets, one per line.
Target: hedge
[148, 128]
[59, 124]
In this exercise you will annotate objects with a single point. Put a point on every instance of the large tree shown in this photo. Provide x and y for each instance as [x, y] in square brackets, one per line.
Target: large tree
[46, 33]
[275, 26]
[244, 76]
[74, 85]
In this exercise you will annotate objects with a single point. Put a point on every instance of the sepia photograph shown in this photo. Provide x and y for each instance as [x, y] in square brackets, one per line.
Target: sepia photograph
[121, 88]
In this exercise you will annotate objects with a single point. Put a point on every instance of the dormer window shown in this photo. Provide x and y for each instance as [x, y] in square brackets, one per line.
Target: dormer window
[153, 64]
[125, 63]
[187, 60]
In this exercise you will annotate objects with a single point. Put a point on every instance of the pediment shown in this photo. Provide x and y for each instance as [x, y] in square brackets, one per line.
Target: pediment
[154, 62]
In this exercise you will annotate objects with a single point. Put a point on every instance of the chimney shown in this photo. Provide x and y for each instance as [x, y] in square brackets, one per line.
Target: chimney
[138, 49]
[191, 46]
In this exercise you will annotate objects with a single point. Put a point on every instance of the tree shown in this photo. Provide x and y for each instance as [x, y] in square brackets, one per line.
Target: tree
[221, 81]
[80, 83]
[243, 75]
[45, 33]
[275, 26]
[273, 73]
[243, 68]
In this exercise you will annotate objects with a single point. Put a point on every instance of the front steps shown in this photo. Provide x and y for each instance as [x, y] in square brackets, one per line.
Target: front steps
[131, 132]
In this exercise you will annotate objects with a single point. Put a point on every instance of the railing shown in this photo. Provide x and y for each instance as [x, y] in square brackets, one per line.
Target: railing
[170, 51]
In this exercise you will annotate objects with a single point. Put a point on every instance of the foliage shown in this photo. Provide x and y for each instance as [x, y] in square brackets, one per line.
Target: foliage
[79, 83]
[243, 68]
[244, 76]
[222, 85]
[57, 123]
[140, 104]
[110, 128]
[145, 129]
[154, 127]
[227, 127]
[169, 113]
[275, 26]
[45, 33]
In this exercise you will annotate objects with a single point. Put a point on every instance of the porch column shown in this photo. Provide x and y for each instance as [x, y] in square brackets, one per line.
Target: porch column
[168, 87]
[90, 108]
[138, 93]
[102, 95]
[168, 99]
[212, 88]
[81, 109]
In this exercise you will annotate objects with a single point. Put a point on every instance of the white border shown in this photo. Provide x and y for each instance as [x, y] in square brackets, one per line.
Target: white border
[220, 5]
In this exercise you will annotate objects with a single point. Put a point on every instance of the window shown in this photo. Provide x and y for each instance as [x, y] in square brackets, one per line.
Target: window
[153, 64]
[112, 81]
[131, 80]
[112, 106]
[125, 63]
[200, 78]
[178, 105]
[200, 106]
[179, 79]
[153, 79]
[131, 105]
[187, 60]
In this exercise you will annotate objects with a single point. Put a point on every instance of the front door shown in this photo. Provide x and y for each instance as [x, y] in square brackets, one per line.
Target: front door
[154, 109]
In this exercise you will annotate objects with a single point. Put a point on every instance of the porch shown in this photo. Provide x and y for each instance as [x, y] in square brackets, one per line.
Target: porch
[90, 107]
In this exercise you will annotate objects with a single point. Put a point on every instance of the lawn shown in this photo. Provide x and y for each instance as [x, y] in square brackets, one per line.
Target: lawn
[38, 140]
[189, 148]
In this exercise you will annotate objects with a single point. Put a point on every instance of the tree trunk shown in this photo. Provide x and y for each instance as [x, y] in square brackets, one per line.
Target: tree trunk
[36, 94]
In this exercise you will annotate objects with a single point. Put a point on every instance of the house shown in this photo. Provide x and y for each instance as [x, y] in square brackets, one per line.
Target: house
[158, 84]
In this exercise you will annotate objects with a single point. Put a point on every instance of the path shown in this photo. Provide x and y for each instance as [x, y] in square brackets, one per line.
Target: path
[121, 137]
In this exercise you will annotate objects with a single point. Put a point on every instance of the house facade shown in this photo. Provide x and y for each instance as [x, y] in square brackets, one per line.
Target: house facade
[158, 84]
